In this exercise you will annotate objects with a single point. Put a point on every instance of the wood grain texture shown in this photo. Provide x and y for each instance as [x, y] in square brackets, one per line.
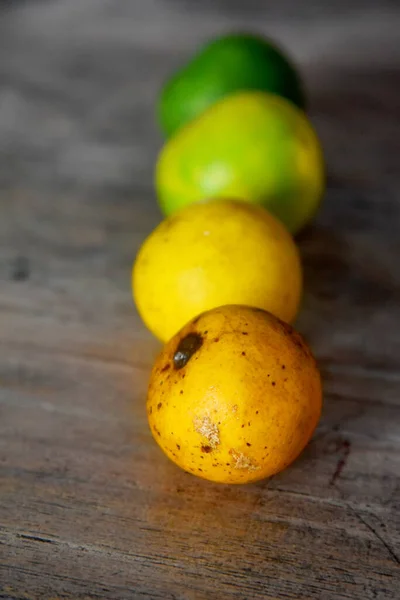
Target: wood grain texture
[89, 507]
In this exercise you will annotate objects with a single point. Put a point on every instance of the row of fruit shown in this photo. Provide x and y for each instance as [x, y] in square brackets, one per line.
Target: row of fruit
[235, 394]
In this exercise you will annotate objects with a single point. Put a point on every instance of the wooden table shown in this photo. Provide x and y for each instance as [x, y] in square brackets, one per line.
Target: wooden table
[89, 506]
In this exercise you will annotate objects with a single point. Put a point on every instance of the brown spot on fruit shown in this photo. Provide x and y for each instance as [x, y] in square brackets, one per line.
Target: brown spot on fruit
[247, 444]
[243, 353]
[150, 410]
[245, 333]
[288, 329]
[206, 449]
[216, 339]
[178, 446]
[186, 348]
[273, 383]
[165, 368]
[159, 405]
[297, 339]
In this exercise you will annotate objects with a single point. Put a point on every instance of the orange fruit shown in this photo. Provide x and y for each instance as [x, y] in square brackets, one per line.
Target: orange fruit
[235, 396]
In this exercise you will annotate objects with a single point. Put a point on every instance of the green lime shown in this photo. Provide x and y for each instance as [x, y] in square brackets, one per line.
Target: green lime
[252, 146]
[228, 64]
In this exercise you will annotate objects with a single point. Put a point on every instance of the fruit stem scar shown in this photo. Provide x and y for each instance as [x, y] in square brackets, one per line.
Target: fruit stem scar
[186, 348]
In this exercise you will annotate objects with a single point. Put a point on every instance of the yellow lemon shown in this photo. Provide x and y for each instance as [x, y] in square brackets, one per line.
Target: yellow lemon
[215, 253]
[253, 146]
[234, 396]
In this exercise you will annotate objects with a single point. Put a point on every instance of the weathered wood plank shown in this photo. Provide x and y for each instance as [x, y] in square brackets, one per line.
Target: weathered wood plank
[89, 507]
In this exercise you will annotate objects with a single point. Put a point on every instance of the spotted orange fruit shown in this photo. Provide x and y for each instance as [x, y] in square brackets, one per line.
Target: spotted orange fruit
[235, 396]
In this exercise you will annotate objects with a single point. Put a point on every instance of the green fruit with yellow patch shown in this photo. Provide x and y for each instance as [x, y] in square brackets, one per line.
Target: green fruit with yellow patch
[250, 146]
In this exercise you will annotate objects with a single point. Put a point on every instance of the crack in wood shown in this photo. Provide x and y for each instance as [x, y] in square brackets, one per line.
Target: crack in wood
[390, 550]
[35, 538]
[344, 445]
